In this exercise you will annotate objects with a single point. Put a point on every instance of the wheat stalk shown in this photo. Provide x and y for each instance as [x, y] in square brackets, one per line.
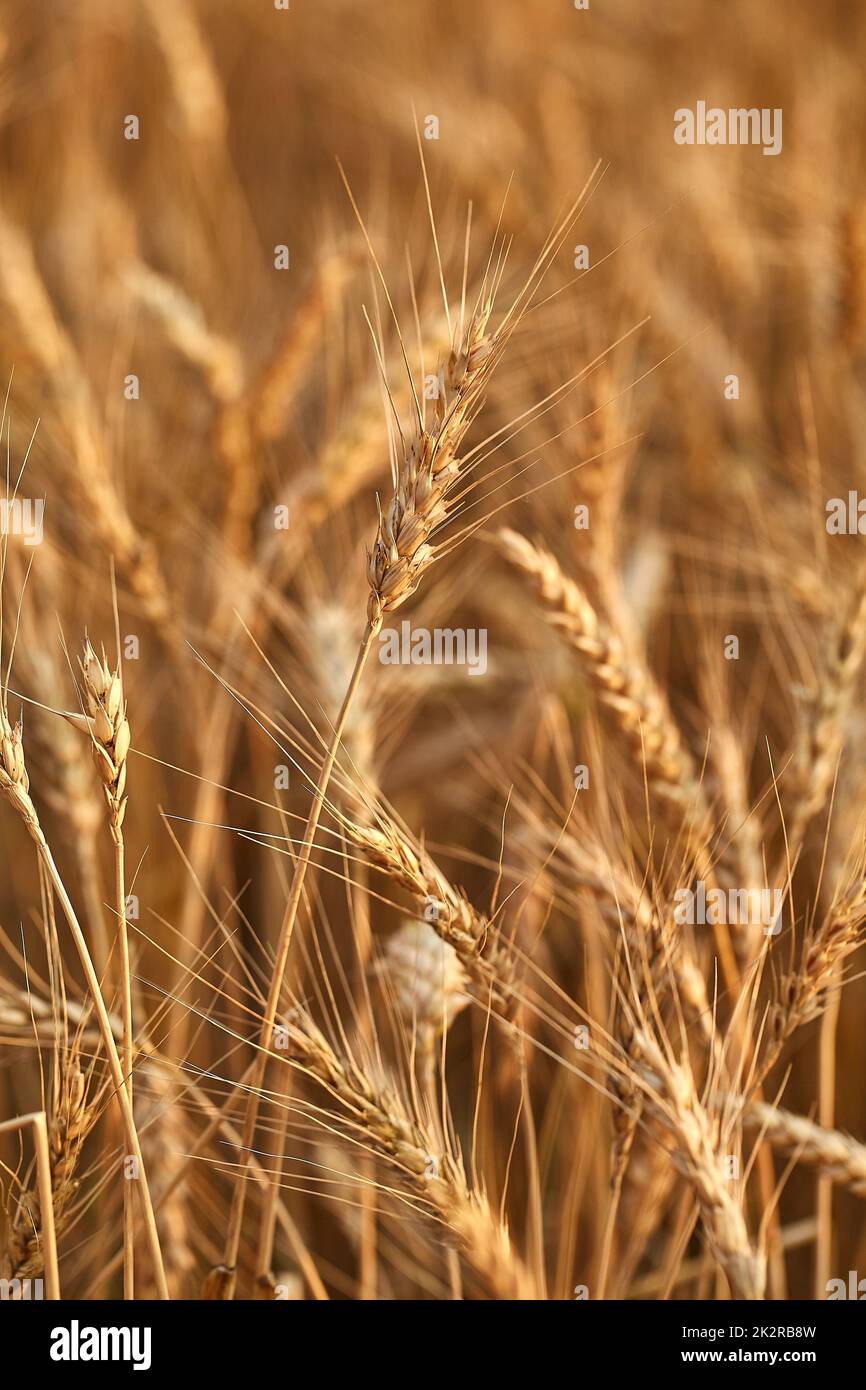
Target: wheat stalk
[109, 731]
[424, 482]
[15, 786]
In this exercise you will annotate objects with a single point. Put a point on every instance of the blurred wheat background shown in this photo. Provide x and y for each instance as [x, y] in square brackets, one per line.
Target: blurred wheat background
[470, 1051]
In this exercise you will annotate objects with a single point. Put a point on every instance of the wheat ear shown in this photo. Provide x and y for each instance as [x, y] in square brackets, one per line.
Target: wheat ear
[802, 995]
[629, 692]
[822, 738]
[670, 1094]
[71, 1119]
[380, 1118]
[834, 1154]
[475, 940]
[427, 984]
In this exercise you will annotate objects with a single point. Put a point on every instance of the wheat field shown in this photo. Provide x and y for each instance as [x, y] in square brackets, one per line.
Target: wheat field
[432, 644]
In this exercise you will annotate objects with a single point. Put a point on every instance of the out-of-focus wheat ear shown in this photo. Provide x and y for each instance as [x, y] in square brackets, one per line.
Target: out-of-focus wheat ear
[834, 1154]
[659, 951]
[215, 357]
[163, 1141]
[23, 290]
[822, 734]
[195, 83]
[259, 413]
[852, 300]
[428, 987]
